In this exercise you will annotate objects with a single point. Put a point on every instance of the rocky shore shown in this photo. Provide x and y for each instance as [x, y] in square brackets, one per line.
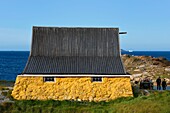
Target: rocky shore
[142, 67]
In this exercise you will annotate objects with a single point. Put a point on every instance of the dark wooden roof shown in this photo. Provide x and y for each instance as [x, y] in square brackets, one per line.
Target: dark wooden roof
[61, 50]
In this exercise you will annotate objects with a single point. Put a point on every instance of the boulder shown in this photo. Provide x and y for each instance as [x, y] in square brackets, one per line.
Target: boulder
[137, 75]
[141, 66]
[156, 63]
[145, 73]
[137, 70]
[167, 69]
[162, 58]
[131, 77]
[137, 79]
[146, 92]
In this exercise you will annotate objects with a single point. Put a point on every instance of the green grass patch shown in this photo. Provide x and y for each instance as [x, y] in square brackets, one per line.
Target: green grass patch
[157, 102]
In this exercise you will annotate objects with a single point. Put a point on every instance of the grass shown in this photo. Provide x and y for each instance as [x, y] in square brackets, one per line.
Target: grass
[157, 102]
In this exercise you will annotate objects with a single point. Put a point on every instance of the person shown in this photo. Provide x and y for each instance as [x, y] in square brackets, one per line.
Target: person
[158, 81]
[141, 84]
[151, 84]
[164, 84]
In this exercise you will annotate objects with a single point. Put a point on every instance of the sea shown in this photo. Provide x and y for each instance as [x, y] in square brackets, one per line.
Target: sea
[12, 63]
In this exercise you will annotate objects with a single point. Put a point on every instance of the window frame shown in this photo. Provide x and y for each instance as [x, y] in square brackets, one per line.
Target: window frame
[45, 79]
[97, 79]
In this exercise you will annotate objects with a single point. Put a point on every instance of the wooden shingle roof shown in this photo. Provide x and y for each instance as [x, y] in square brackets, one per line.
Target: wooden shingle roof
[61, 50]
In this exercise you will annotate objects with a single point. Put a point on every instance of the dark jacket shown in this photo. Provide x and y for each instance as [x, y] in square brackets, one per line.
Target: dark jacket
[158, 81]
[164, 84]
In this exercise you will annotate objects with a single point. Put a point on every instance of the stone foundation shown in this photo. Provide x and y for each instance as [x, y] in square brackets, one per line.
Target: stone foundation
[71, 88]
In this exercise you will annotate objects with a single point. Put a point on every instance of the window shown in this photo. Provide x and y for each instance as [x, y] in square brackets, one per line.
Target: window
[49, 79]
[96, 79]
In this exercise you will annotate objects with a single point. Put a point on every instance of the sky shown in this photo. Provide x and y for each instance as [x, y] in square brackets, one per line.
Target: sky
[147, 22]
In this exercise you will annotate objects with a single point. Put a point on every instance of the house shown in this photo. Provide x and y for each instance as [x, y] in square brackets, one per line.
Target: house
[73, 63]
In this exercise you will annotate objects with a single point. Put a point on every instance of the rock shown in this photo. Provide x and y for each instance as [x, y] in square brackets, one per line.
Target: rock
[90, 98]
[162, 58]
[167, 81]
[79, 100]
[146, 92]
[126, 55]
[141, 66]
[146, 67]
[152, 66]
[156, 63]
[167, 69]
[156, 59]
[137, 70]
[145, 73]
[137, 75]
[149, 75]
[137, 79]
[131, 77]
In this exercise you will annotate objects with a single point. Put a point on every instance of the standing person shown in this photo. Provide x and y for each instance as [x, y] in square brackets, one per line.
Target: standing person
[158, 81]
[164, 85]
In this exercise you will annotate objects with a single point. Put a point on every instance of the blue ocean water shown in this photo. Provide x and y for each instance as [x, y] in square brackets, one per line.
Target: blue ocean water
[13, 62]
[165, 54]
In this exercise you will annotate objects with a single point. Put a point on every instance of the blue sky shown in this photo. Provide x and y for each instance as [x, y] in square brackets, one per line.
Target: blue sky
[146, 21]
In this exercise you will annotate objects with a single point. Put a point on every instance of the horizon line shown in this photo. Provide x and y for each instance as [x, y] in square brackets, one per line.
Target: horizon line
[122, 51]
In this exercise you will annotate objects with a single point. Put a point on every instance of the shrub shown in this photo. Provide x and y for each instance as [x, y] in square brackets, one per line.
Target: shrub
[9, 95]
[4, 93]
[6, 106]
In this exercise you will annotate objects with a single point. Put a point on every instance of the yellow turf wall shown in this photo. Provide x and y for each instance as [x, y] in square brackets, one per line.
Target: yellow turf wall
[71, 88]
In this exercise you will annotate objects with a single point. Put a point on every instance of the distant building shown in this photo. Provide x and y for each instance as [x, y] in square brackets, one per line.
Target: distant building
[81, 64]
